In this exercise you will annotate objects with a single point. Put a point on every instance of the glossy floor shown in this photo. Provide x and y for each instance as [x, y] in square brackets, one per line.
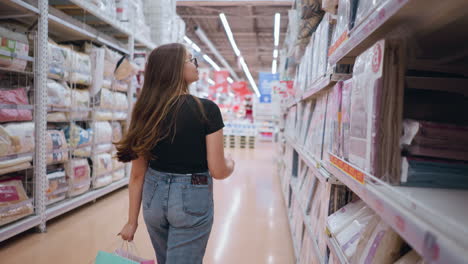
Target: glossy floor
[251, 224]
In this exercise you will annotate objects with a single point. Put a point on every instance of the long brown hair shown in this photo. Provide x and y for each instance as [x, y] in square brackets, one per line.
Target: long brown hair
[163, 86]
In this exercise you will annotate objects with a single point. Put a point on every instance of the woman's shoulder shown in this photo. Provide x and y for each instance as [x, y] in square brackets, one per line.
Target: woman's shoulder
[207, 103]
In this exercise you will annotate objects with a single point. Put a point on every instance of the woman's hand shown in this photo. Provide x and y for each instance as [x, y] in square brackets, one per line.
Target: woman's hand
[128, 232]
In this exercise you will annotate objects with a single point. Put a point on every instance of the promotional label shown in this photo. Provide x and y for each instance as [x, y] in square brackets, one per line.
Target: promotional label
[348, 169]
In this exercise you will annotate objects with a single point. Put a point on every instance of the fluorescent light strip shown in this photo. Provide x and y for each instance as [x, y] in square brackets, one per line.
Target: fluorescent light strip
[227, 28]
[277, 28]
[230, 80]
[210, 61]
[275, 53]
[189, 41]
[195, 47]
[210, 81]
[274, 65]
[249, 76]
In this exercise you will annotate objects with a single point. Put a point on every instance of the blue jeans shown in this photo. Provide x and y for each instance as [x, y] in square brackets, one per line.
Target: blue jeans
[178, 215]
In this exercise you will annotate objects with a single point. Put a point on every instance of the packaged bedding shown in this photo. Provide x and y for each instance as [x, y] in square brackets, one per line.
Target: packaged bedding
[57, 62]
[13, 43]
[57, 186]
[16, 138]
[14, 202]
[15, 96]
[118, 175]
[58, 94]
[80, 101]
[78, 136]
[102, 132]
[79, 176]
[57, 147]
[102, 168]
[80, 71]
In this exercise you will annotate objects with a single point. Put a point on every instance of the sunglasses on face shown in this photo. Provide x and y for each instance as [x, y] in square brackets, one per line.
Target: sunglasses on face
[194, 61]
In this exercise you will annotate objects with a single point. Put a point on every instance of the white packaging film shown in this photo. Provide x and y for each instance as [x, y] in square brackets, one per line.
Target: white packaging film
[79, 176]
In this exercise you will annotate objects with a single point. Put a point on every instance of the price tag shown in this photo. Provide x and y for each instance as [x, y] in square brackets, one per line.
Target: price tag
[355, 173]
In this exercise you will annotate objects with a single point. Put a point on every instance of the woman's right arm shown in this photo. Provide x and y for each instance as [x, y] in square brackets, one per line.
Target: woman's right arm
[135, 189]
[220, 167]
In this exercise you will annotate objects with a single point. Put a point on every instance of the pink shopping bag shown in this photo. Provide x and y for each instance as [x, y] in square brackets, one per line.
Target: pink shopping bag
[123, 253]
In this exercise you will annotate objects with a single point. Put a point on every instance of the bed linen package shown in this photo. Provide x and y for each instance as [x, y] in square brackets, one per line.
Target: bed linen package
[57, 187]
[16, 43]
[16, 96]
[58, 94]
[79, 176]
[14, 202]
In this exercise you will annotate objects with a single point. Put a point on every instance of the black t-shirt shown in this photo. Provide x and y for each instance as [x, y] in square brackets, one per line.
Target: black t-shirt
[185, 152]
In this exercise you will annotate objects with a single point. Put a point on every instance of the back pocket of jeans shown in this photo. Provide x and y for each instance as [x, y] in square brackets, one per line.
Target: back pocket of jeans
[196, 199]
[149, 190]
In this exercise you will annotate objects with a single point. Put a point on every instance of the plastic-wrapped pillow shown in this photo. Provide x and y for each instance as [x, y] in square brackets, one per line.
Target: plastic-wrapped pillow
[58, 187]
[21, 136]
[120, 101]
[15, 43]
[57, 146]
[78, 136]
[14, 202]
[57, 62]
[102, 132]
[58, 94]
[80, 69]
[16, 96]
[102, 168]
[118, 175]
[116, 131]
[79, 176]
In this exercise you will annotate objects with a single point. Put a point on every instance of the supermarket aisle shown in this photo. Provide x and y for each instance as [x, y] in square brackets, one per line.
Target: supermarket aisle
[251, 224]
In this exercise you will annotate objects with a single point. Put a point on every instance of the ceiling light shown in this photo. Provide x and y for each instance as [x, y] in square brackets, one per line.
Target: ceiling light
[249, 76]
[230, 80]
[274, 66]
[227, 28]
[195, 47]
[189, 41]
[277, 28]
[210, 81]
[275, 53]
[210, 61]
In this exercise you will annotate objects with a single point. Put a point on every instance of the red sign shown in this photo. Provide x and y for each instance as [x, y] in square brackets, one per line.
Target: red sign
[240, 89]
[355, 173]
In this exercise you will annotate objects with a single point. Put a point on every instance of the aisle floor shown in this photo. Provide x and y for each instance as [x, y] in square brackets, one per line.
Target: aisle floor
[251, 223]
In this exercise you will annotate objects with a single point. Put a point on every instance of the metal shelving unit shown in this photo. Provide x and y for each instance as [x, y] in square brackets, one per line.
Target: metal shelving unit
[432, 221]
[62, 27]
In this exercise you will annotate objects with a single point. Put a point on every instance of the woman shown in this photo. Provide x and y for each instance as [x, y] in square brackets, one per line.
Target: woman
[175, 144]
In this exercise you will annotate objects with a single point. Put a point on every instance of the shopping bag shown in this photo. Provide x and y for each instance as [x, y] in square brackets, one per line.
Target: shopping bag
[127, 255]
[111, 258]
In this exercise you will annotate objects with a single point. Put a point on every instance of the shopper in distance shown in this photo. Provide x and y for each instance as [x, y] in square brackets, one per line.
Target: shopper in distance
[175, 144]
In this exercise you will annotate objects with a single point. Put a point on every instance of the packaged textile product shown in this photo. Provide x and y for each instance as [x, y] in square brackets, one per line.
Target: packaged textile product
[120, 101]
[79, 176]
[14, 202]
[334, 119]
[15, 165]
[120, 86]
[14, 43]
[434, 173]
[100, 115]
[411, 257]
[57, 117]
[346, 118]
[102, 168]
[364, 9]
[78, 136]
[340, 34]
[105, 99]
[377, 91]
[382, 246]
[125, 69]
[57, 146]
[80, 101]
[110, 63]
[58, 186]
[16, 96]
[348, 238]
[80, 70]
[21, 136]
[436, 140]
[103, 148]
[57, 62]
[102, 132]
[341, 218]
[306, 121]
[118, 175]
[97, 66]
[58, 94]
[317, 126]
[116, 131]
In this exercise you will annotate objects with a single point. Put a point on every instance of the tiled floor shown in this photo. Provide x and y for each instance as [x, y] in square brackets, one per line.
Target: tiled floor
[251, 224]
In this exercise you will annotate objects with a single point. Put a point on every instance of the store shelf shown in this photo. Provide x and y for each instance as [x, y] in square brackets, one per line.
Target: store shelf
[16, 156]
[18, 227]
[73, 203]
[410, 14]
[16, 56]
[336, 249]
[307, 222]
[10, 71]
[297, 252]
[17, 107]
[92, 12]
[316, 166]
[141, 42]
[432, 221]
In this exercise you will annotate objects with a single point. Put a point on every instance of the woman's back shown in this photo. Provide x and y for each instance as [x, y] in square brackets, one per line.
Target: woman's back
[185, 150]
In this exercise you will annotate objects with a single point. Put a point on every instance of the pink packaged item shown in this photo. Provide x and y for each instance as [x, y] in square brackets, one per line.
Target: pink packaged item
[16, 96]
[132, 256]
